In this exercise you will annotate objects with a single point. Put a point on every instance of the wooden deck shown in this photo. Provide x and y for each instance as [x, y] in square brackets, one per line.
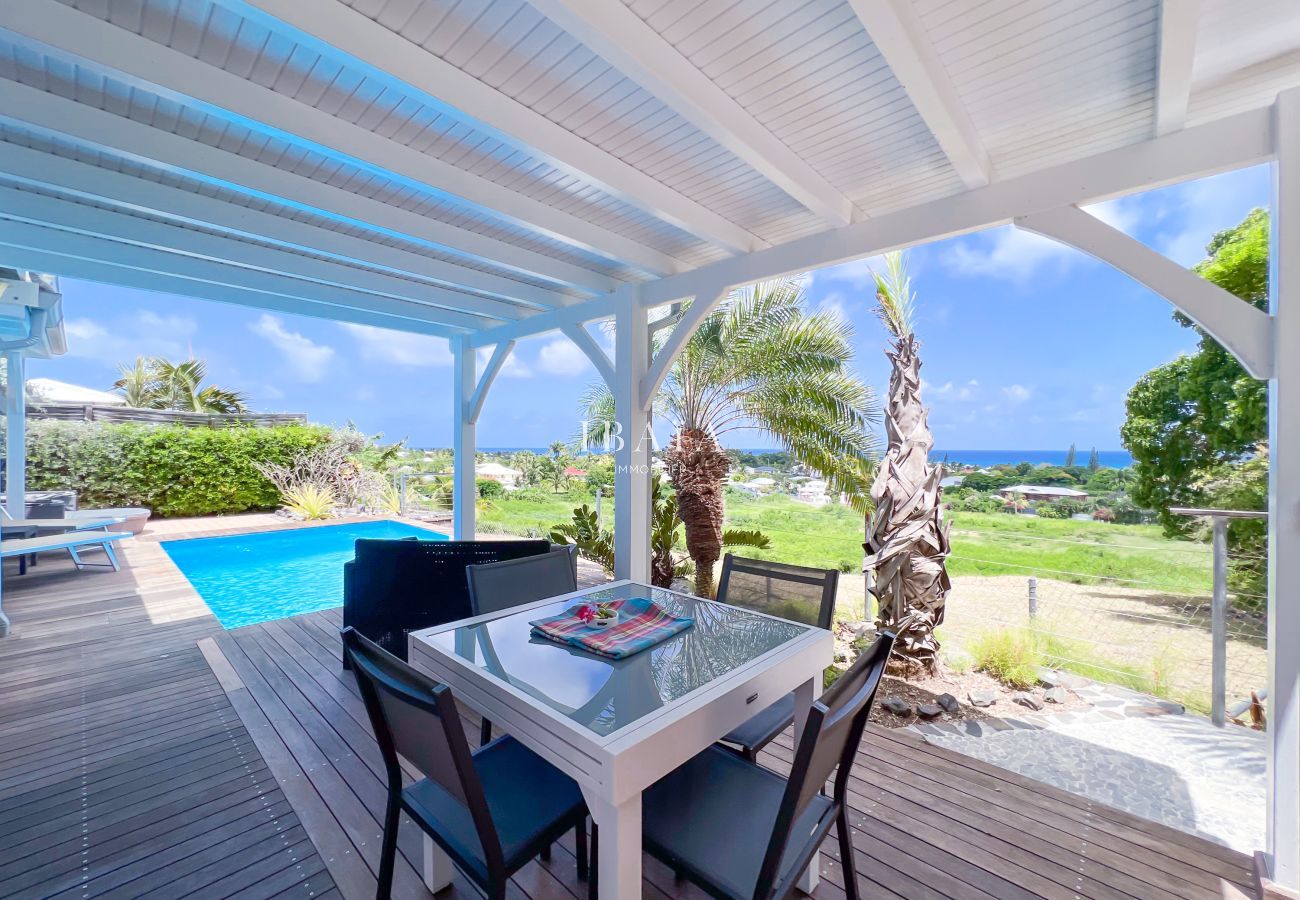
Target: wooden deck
[146, 751]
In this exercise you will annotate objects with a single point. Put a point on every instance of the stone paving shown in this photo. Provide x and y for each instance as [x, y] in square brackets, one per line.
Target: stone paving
[1135, 752]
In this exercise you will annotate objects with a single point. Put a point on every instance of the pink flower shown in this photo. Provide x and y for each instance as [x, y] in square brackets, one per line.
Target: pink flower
[586, 613]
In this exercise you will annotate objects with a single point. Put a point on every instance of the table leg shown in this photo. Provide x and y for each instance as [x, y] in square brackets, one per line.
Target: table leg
[618, 862]
[438, 869]
[804, 695]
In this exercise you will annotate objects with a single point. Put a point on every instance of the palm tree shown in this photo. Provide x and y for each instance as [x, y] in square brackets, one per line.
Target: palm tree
[907, 539]
[760, 361]
[158, 383]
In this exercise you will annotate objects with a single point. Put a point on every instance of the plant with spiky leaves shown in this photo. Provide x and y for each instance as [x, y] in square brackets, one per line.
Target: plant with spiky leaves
[157, 383]
[761, 361]
[907, 539]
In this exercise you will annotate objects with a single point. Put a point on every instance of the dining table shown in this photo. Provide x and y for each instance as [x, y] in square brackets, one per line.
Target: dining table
[616, 726]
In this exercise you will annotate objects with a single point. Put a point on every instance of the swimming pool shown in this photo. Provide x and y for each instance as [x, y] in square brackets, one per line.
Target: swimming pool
[250, 578]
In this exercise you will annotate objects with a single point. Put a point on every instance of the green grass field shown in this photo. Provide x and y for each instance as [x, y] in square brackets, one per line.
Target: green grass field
[982, 543]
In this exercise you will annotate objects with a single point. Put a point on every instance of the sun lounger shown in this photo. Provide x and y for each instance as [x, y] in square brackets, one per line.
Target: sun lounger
[71, 541]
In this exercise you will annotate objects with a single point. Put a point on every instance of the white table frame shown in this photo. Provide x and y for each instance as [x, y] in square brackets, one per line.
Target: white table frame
[614, 769]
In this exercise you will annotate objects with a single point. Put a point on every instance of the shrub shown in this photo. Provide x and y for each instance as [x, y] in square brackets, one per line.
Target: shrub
[175, 471]
[1103, 514]
[489, 489]
[1011, 655]
[311, 501]
[1051, 511]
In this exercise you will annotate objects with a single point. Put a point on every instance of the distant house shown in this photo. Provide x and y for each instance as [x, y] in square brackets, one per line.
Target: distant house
[813, 493]
[506, 476]
[952, 481]
[573, 472]
[756, 486]
[1033, 492]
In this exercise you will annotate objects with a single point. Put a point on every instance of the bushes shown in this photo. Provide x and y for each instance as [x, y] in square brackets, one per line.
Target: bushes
[489, 489]
[174, 471]
[1051, 511]
[1011, 655]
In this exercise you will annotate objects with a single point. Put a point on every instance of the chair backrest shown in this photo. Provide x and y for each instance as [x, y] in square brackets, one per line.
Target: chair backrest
[394, 587]
[416, 718]
[830, 739]
[779, 589]
[513, 582]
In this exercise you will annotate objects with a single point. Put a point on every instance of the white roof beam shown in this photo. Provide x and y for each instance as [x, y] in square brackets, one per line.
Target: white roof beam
[156, 68]
[73, 266]
[1178, 23]
[335, 29]
[87, 182]
[30, 236]
[71, 216]
[900, 38]
[1242, 140]
[125, 137]
[627, 43]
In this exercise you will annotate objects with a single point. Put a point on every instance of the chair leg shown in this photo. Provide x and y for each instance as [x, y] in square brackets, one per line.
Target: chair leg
[546, 853]
[112, 557]
[846, 855]
[485, 732]
[593, 886]
[388, 849]
[580, 848]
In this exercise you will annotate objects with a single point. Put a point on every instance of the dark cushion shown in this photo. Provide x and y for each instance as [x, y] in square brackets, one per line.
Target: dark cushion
[532, 803]
[393, 587]
[714, 816]
[762, 728]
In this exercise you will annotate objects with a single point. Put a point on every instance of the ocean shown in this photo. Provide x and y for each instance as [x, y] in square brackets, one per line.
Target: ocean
[1111, 459]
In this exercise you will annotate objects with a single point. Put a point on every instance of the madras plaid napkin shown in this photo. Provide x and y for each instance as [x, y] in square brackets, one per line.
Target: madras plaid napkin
[642, 624]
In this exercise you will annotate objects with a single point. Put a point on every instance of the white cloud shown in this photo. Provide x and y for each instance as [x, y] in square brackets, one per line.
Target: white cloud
[402, 348]
[1196, 210]
[143, 333]
[950, 390]
[857, 273]
[308, 360]
[1017, 393]
[834, 305]
[561, 356]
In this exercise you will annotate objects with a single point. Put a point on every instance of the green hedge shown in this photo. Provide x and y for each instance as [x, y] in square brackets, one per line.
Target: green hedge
[174, 471]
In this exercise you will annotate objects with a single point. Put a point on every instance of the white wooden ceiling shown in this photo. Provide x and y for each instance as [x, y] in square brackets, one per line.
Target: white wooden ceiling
[450, 165]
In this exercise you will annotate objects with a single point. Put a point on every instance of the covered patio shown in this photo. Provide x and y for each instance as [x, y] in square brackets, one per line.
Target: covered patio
[492, 170]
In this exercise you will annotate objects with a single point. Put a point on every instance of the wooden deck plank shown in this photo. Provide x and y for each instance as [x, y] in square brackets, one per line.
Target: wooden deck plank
[128, 768]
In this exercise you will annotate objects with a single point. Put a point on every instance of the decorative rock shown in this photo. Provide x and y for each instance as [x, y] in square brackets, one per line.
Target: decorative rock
[929, 711]
[1056, 695]
[898, 706]
[948, 702]
[1027, 700]
[1049, 678]
[983, 698]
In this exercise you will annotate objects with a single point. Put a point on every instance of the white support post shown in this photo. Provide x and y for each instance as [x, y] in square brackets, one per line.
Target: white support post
[1283, 817]
[632, 454]
[16, 448]
[464, 491]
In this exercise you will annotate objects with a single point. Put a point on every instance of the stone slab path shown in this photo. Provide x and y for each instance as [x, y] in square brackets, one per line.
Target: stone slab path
[1135, 753]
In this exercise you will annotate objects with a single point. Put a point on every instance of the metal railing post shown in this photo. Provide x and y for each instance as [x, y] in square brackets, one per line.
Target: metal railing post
[1033, 596]
[1219, 624]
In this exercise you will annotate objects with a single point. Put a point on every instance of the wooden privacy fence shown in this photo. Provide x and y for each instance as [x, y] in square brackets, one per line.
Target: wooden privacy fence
[89, 412]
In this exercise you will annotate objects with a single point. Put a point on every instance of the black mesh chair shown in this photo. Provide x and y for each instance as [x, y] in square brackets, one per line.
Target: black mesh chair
[514, 582]
[393, 588]
[711, 820]
[797, 593]
[492, 811]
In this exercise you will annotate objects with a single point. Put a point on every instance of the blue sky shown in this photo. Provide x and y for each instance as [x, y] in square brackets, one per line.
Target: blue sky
[1026, 344]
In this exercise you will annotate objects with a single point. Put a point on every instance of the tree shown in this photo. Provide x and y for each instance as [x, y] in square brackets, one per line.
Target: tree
[907, 539]
[1094, 460]
[1070, 456]
[158, 383]
[760, 361]
[1202, 411]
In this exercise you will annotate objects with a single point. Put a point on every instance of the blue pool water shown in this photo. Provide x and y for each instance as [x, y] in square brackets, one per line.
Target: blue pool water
[250, 578]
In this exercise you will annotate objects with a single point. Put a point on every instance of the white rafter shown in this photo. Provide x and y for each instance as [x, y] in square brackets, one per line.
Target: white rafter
[43, 238]
[1178, 23]
[900, 38]
[153, 67]
[632, 47]
[86, 182]
[336, 29]
[97, 222]
[103, 130]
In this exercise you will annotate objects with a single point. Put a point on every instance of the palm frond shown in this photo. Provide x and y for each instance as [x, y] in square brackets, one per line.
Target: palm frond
[745, 537]
[895, 302]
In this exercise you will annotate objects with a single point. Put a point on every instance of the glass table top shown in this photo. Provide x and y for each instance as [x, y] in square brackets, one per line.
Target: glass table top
[604, 695]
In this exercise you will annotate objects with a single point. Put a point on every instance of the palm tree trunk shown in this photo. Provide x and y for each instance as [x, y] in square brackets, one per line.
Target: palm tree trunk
[698, 470]
[907, 540]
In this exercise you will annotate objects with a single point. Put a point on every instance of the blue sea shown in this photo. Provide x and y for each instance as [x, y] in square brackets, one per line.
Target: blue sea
[1111, 459]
